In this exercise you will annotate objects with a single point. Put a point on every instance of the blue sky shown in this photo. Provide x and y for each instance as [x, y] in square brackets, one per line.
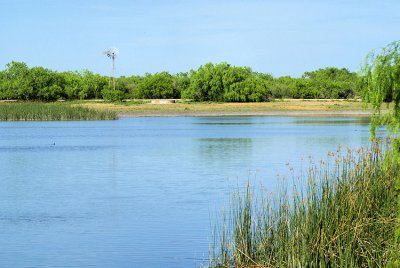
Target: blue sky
[285, 37]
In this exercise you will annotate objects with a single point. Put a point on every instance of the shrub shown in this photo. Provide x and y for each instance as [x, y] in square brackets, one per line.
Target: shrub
[112, 95]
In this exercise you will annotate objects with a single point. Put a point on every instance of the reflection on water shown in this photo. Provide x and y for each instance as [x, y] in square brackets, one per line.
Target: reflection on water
[332, 121]
[233, 120]
[223, 150]
[139, 192]
[224, 123]
[225, 145]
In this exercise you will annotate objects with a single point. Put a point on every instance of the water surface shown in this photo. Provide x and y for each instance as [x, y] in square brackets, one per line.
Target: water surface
[139, 192]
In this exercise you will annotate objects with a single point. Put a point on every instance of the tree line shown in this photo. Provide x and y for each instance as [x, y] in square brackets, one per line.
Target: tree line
[210, 82]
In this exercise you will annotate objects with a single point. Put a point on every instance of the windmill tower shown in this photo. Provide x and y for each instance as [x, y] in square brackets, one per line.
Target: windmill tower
[112, 53]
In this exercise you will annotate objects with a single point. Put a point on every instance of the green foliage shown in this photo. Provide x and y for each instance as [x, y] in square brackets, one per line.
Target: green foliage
[181, 83]
[158, 86]
[91, 85]
[328, 83]
[304, 90]
[73, 85]
[380, 83]
[49, 93]
[15, 83]
[332, 82]
[223, 82]
[381, 78]
[19, 82]
[129, 85]
[112, 95]
[206, 83]
[46, 84]
[251, 89]
[211, 82]
[283, 87]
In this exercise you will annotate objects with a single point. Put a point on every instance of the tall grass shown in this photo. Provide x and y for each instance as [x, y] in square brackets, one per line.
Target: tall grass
[29, 111]
[342, 214]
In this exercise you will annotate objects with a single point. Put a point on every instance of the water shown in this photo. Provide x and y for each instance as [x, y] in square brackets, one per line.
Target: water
[141, 192]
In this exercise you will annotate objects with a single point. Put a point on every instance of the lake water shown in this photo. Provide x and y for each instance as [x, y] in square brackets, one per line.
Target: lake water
[141, 192]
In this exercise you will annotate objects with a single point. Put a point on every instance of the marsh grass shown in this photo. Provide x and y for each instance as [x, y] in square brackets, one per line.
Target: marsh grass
[341, 214]
[29, 111]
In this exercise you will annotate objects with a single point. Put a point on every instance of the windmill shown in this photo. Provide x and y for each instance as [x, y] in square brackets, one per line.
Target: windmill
[112, 53]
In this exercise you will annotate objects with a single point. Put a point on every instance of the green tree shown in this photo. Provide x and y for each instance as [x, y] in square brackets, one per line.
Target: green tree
[91, 85]
[15, 83]
[158, 86]
[252, 89]
[303, 89]
[224, 82]
[282, 87]
[73, 84]
[266, 77]
[236, 84]
[206, 84]
[111, 94]
[181, 83]
[47, 85]
[3, 85]
[331, 83]
[381, 83]
[129, 85]
[49, 93]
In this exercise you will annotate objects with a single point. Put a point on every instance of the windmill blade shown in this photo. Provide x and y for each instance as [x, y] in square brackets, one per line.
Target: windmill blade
[111, 52]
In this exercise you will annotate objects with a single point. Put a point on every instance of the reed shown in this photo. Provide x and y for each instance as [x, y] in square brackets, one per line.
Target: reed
[30, 111]
[342, 213]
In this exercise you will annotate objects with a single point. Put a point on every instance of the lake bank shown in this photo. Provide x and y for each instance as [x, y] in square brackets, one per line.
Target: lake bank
[248, 113]
[275, 108]
[286, 107]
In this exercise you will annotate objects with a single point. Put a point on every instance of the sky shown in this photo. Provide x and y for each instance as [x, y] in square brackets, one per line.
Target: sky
[280, 37]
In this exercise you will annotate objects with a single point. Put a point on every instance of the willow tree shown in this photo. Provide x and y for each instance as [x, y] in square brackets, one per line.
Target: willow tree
[381, 84]
[381, 77]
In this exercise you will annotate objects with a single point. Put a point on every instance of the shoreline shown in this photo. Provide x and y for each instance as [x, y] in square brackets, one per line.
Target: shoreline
[313, 108]
[299, 108]
[127, 114]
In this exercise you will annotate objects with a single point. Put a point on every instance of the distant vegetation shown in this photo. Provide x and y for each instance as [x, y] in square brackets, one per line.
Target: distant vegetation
[50, 111]
[210, 82]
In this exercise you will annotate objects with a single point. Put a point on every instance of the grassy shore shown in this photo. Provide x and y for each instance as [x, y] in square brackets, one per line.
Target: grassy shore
[344, 216]
[98, 109]
[278, 107]
[30, 111]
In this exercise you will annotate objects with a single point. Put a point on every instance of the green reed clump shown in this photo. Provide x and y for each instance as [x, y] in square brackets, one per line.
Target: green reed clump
[341, 214]
[50, 111]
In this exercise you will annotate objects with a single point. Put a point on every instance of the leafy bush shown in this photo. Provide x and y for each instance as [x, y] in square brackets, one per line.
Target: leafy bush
[50, 93]
[112, 95]
[158, 86]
